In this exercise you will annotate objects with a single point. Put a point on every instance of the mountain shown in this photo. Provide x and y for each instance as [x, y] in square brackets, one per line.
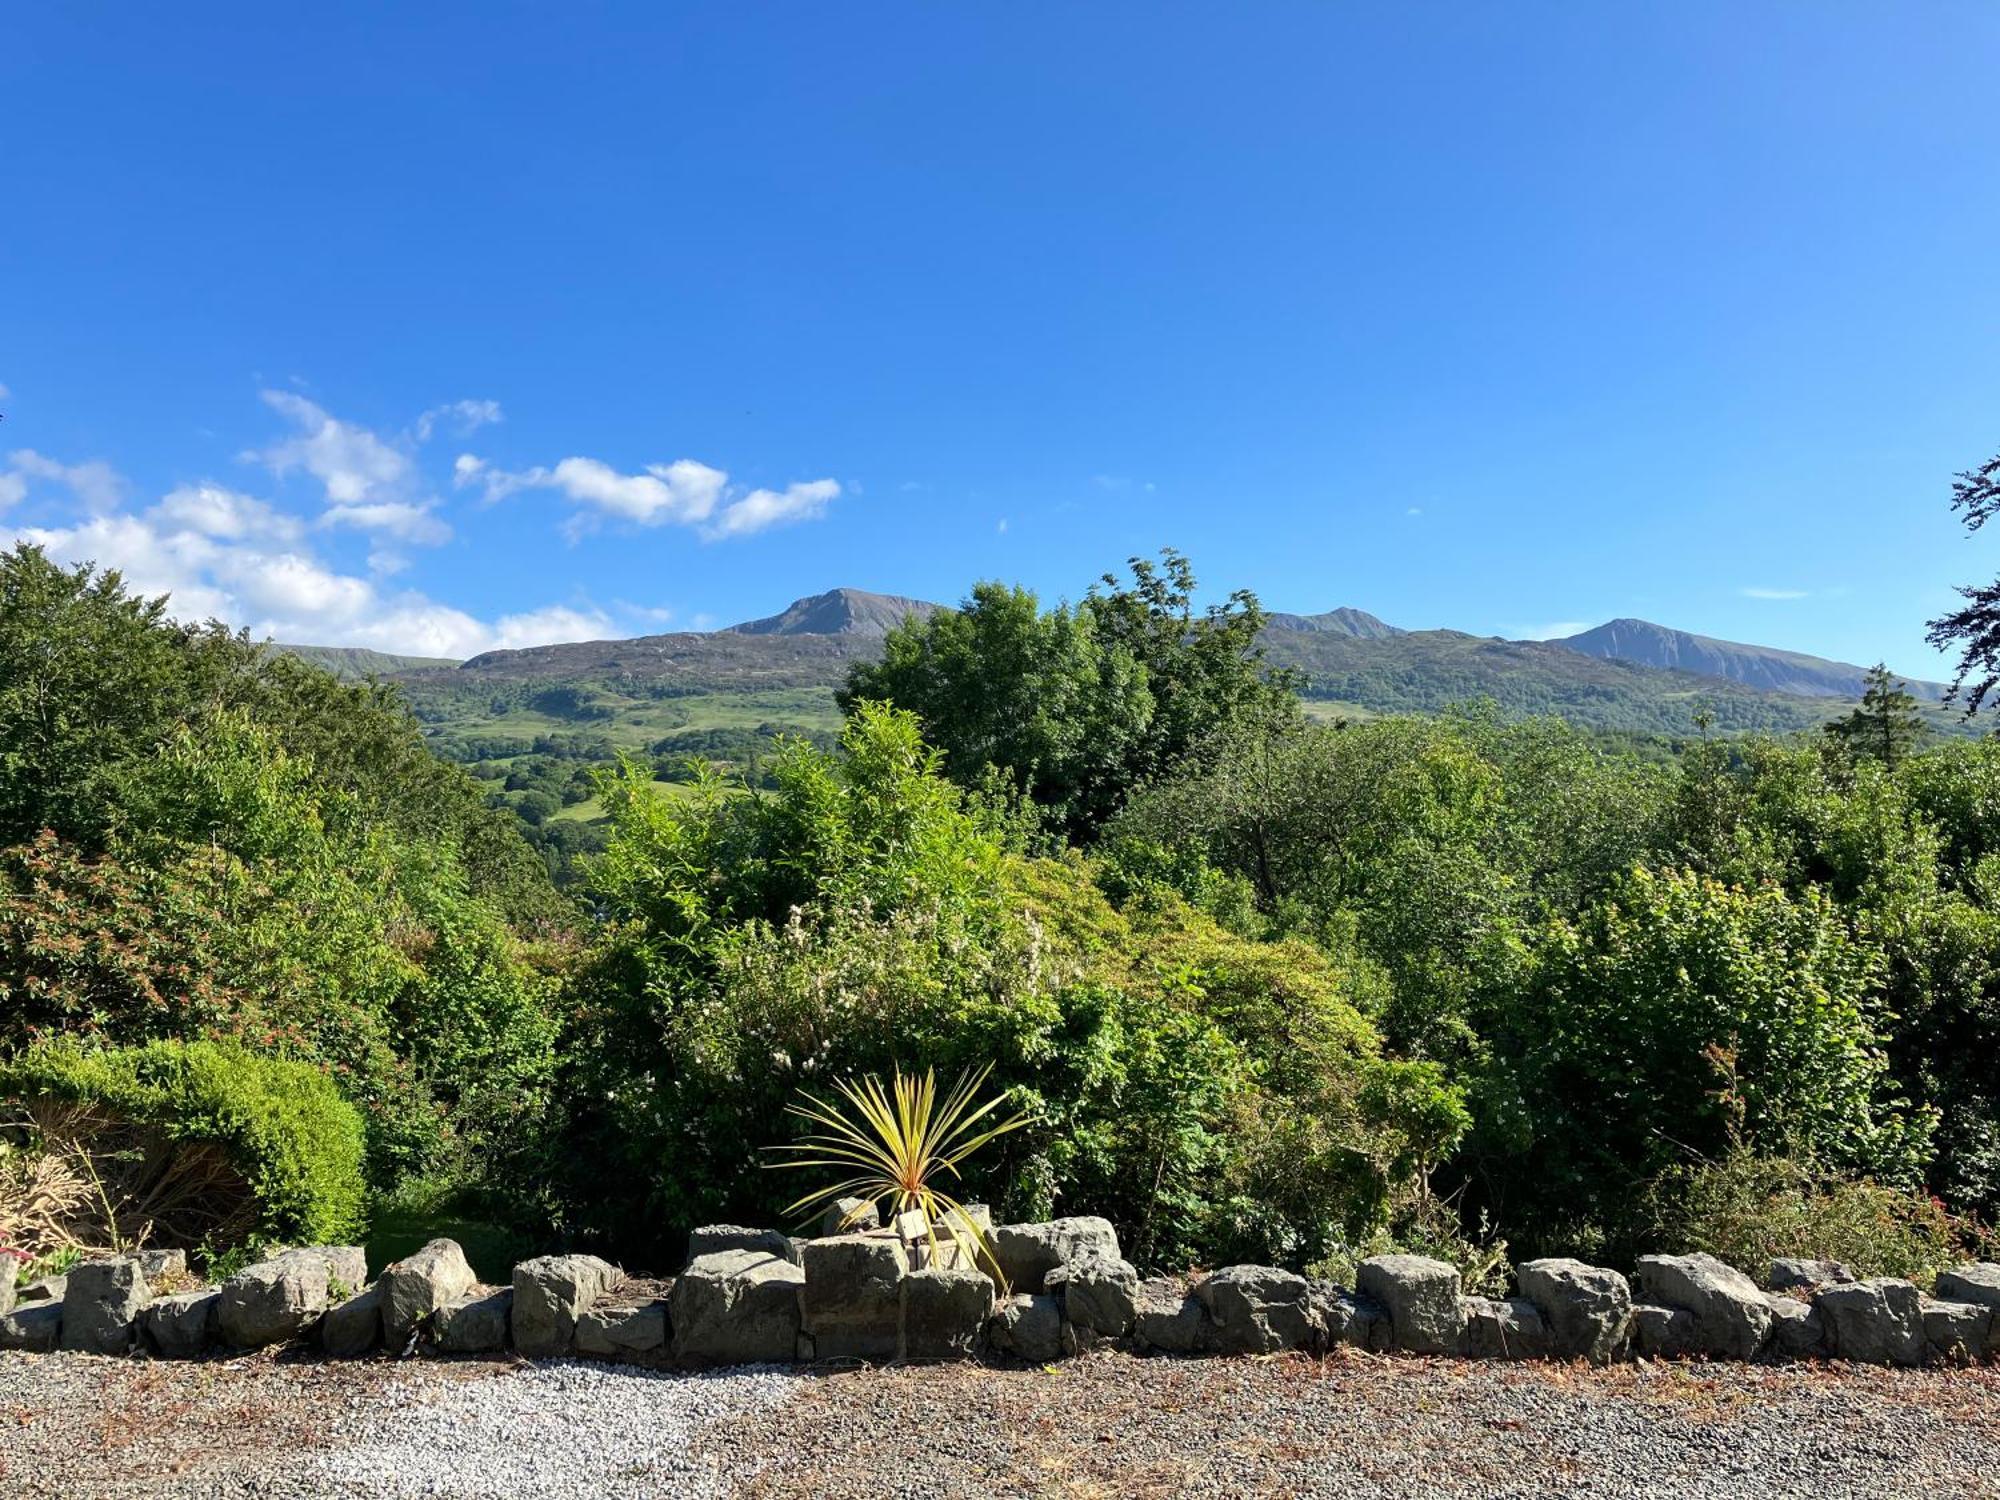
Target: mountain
[1350, 622]
[1763, 667]
[359, 661]
[839, 612]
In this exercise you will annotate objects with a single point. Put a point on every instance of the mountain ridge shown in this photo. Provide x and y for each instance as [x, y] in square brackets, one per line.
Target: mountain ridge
[1767, 667]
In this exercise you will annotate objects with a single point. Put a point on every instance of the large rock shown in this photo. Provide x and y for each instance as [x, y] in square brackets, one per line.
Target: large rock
[1028, 1252]
[8, 1294]
[1028, 1326]
[550, 1293]
[101, 1310]
[1341, 1318]
[1798, 1331]
[1257, 1309]
[1961, 1332]
[1977, 1282]
[714, 1239]
[33, 1326]
[476, 1323]
[944, 1312]
[353, 1328]
[1587, 1309]
[1792, 1275]
[1509, 1329]
[181, 1326]
[633, 1335]
[852, 1303]
[1100, 1295]
[1732, 1317]
[1167, 1317]
[964, 1241]
[1874, 1322]
[849, 1216]
[737, 1307]
[283, 1297]
[418, 1285]
[48, 1289]
[1664, 1332]
[1426, 1314]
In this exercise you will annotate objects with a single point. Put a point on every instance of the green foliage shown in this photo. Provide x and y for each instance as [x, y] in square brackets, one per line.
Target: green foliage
[267, 856]
[1886, 726]
[294, 1142]
[1202, 1089]
[1749, 1210]
[1683, 1016]
[1076, 706]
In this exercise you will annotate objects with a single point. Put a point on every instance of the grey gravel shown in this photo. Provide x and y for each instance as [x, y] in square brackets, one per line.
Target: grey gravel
[1105, 1424]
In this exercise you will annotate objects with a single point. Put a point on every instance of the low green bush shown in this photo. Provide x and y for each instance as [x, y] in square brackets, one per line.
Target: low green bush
[198, 1142]
[1748, 1210]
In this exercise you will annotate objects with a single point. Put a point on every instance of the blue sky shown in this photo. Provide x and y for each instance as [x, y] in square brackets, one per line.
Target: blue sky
[444, 326]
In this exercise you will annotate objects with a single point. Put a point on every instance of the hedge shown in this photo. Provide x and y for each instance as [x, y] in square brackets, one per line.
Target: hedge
[297, 1145]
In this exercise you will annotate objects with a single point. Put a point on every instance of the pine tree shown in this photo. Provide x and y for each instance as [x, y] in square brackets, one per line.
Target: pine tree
[1886, 726]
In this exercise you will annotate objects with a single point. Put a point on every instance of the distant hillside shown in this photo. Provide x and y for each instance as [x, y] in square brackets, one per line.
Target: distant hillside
[359, 661]
[839, 612]
[1762, 667]
[1350, 622]
[1425, 671]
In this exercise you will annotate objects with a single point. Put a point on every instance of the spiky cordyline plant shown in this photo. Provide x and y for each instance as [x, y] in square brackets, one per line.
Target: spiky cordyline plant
[902, 1142]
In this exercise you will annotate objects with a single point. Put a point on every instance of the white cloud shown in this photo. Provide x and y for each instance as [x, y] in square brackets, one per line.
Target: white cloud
[1548, 632]
[401, 519]
[760, 510]
[1770, 593]
[225, 514]
[684, 492]
[352, 463]
[4, 392]
[95, 483]
[463, 417]
[285, 593]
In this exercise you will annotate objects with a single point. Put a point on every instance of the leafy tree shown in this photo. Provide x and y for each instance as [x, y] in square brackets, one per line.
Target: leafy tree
[1075, 706]
[1975, 629]
[1886, 726]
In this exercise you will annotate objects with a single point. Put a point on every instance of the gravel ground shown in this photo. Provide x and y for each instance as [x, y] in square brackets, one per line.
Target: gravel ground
[1105, 1425]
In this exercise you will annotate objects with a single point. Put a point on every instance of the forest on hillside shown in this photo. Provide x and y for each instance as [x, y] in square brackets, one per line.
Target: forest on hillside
[1267, 986]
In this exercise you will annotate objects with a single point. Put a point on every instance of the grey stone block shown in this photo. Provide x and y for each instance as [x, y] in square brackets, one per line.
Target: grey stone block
[632, 1335]
[283, 1298]
[851, 1304]
[1257, 1309]
[101, 1309]
[714, 1239]
[550, 1293]
[1422, 1296]
[1504, 1329]
[350, 1329]
[1978, 1281]
[418, 1285]
[475, 1324]
[737, 1307]
[35, 1327]
[1028, 1326]
[182, 1326]
[944, 1312]
[1028, 1252]
[1874, 1322]
[1100, 1296]
[1791, 1275]
[1587, 1309]
[1799, 1332]
[1732, 1316]
[1167, 1317]
[1664, 1332]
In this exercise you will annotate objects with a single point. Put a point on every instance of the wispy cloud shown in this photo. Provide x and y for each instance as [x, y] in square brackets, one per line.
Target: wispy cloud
[93, 482]
[1550, 631]
[462, 417]
[1771, 593]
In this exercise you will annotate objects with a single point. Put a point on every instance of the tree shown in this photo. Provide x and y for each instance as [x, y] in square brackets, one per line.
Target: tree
[1975, 629]
[1076, 706]
[1886, 726]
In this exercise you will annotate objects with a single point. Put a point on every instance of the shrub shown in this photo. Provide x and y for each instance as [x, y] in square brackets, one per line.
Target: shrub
[1749, 1210]
[196, 1143]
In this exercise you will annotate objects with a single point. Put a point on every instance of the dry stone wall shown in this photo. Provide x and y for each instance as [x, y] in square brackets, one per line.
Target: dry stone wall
[876, 1294]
